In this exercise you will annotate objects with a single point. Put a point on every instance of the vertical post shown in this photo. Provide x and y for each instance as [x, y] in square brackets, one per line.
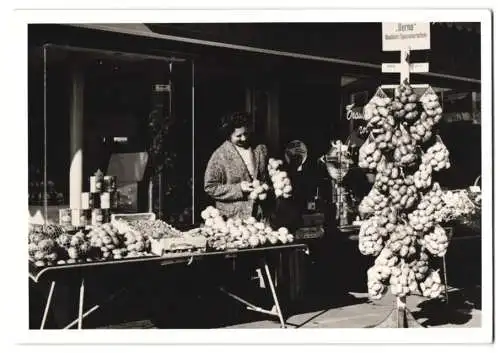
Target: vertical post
[445, 280]
[193, 184]
[401, 312]
[76, 138]
[150, 194]
[405, 65]
[404, 76]
[168, 116]
[250, 103]
[351, 121]
[45, 200]
[160, 195]
[401, 302]
[474, 110]
[80, 304]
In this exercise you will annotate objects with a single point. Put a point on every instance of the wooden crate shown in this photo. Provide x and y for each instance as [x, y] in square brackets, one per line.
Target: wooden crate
[314, 232]
[161, 246]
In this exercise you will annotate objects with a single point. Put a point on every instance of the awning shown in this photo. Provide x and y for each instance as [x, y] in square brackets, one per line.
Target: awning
[139, 29]
[461, 26]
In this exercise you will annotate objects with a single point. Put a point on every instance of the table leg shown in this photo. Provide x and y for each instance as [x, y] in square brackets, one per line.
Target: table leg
[95, 307]
[234, 296]
[77, 320]
[275, 297]
[276, 277]
[47, 305]
[80, 306]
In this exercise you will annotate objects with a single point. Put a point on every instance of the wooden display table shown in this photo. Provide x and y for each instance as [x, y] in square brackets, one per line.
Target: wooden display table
[263, 256]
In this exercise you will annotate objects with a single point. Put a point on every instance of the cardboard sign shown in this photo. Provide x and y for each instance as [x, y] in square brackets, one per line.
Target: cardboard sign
[414, 36]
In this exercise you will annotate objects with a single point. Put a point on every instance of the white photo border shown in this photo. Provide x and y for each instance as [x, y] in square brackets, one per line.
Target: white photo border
[16, 208]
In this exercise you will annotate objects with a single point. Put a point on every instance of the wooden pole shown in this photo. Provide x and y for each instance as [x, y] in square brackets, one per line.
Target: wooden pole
[400, 316]
[405, 66]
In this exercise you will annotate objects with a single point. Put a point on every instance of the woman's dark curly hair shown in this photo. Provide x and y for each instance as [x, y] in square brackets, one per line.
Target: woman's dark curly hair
[233, 121]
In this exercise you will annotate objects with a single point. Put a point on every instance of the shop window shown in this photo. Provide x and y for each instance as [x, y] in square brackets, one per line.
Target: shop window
[462, 106]
[99, 103]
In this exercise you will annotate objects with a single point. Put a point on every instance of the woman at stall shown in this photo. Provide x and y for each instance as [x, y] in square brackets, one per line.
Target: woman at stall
[229, 174]
[232, 168]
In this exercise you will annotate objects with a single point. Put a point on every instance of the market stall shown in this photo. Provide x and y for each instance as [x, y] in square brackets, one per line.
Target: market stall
[91, 239]
[142, 150]
[96, 237]
[139, 240]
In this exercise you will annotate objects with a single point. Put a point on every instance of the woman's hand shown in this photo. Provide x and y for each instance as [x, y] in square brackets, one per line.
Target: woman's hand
[246, 186]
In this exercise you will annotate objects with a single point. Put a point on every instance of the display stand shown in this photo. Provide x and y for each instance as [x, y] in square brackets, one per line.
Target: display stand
[399, 317]
[404, 116]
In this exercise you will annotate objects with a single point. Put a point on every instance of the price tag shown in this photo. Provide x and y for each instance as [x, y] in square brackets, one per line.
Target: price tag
[161, 88]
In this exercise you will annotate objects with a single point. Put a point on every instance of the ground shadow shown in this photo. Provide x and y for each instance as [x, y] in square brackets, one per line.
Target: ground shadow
[219, 310]
[324, 303]
[457, 311]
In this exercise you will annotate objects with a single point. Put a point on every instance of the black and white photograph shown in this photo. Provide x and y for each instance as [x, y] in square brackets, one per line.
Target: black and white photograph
[297, 174]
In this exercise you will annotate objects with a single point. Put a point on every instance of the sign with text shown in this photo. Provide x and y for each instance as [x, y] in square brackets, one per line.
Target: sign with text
[354, 113]
[415, 67]
[397, 36]
[161, 88]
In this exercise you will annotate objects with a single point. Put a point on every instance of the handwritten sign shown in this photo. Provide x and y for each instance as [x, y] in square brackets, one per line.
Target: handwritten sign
[398, 36]
[354, 113]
